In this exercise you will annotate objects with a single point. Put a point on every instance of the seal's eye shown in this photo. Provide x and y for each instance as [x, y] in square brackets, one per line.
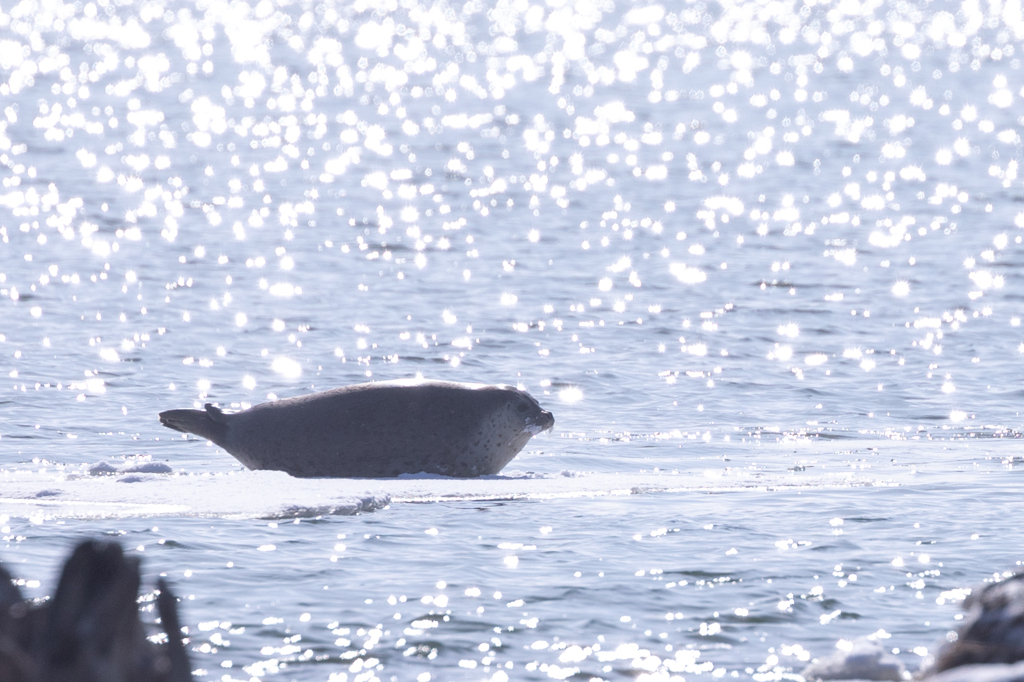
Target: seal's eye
[522, 407]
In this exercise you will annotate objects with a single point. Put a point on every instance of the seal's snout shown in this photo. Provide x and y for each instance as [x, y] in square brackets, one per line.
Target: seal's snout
[545, 420]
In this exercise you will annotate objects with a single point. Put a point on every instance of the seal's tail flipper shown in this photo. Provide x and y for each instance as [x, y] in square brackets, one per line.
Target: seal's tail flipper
[210, 423]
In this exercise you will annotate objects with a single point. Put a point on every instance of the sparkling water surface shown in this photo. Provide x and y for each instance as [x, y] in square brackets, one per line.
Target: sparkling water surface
[760, 259]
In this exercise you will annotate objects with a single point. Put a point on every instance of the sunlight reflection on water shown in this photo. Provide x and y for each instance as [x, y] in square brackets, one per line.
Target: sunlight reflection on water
[751, 242]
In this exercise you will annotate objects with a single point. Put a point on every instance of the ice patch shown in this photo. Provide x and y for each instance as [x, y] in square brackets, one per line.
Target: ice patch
[864, 660]
[243, 494]
[148, 468]
[104, 467]
[274, 494]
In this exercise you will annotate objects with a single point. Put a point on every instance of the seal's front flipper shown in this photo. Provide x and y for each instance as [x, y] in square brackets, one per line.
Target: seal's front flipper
[210, 423]
[215, 413]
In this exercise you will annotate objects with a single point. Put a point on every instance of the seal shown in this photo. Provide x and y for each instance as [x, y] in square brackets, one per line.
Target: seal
[376, 430]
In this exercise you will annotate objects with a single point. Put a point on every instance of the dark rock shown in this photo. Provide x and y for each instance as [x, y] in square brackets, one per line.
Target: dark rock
[981, 672]
[90, 631]
[993, 629]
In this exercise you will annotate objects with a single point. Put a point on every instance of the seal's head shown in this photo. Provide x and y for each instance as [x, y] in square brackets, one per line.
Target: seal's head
[536, 419]
[514, 417]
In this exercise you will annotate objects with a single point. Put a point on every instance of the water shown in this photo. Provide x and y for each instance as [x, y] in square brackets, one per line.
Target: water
[761, 260]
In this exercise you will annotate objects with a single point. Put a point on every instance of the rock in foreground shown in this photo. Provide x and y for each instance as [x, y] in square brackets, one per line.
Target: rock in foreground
[90, 631]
